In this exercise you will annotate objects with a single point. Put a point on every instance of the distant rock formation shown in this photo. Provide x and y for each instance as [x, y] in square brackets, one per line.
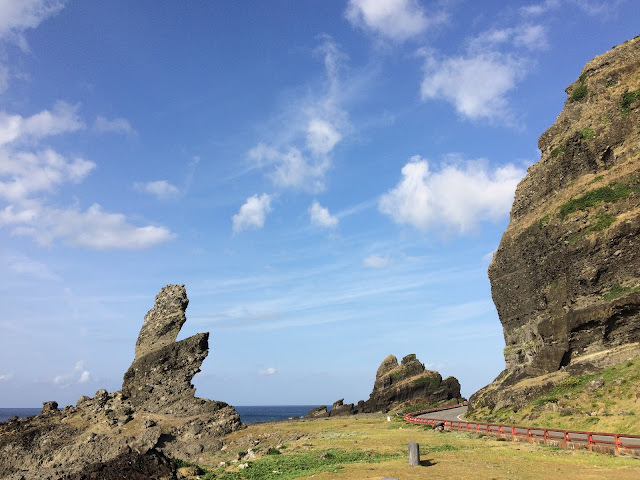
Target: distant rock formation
[396, 386]
[155, 414]
[566, 276]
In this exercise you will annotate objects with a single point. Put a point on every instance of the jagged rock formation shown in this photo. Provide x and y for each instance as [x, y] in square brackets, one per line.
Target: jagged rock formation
[155, 414]
[398, 385]
[566, 276]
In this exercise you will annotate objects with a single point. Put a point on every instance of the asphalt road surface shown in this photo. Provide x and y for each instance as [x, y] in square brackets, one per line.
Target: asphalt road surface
[451, 414]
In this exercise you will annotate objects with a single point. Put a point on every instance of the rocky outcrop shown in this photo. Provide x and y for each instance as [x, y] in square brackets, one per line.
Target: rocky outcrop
[399, 385]
[155, 414]
[566, 276]
[396, 386]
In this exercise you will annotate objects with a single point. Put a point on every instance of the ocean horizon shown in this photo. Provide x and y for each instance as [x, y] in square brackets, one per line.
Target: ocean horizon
[248, 413]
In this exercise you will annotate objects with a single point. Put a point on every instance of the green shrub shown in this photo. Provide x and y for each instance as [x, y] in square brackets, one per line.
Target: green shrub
[586, 133]
[629, 99]
[579, 92]
[273, 451]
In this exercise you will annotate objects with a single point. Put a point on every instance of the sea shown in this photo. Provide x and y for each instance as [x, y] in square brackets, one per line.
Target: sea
[248, 414]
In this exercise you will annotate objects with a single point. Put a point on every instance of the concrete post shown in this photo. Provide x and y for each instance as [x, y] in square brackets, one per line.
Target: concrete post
[414, 454]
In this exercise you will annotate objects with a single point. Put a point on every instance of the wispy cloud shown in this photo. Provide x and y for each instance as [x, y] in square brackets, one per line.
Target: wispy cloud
[267, 372]
[160, 189]
[5, 377]
[376, 261]
[115, 125]
[459, 196]
[252, 213]
[397, 20]
[299, 152]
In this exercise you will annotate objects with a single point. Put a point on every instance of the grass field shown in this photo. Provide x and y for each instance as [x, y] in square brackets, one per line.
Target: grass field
[370, 447]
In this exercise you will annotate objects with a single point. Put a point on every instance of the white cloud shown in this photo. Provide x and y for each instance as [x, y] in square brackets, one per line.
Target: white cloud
[252, 213]
[475, 84]
[321, 217]
[376, 261]
[62, 118]
[267, 372]
[116, 125]
[536, 9]
[159, 188]
[5, 377]
[23, 174]
[322, 136]
[92, 228]
[291, 168]
[393, 19]
[458, 196]
[19, 15]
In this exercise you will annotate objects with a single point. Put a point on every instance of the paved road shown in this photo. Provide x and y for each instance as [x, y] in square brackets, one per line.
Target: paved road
[451, 414]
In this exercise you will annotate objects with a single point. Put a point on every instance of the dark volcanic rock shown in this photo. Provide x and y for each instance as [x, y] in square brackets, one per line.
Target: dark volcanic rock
[398, 385]
[152, 465]
[318, 412]
[116, 435]
[566, 275]
[339, 409]
[406, 383]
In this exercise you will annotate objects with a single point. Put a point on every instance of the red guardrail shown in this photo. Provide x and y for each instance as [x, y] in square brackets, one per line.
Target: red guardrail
[551, 436]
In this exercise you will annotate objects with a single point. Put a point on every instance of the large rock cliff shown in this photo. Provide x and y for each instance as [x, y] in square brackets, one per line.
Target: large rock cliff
[155, 414]
[566, 276]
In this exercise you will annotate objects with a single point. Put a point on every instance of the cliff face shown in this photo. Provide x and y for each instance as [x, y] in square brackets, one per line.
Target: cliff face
[566, 276]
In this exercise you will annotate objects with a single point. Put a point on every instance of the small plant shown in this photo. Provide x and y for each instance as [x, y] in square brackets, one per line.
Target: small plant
[273, 451]
[586, 133]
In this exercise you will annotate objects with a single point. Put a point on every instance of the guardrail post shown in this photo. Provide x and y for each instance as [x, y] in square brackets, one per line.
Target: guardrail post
[414, 454]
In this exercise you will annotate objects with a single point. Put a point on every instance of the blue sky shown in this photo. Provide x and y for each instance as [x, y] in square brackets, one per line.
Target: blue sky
[329, 180]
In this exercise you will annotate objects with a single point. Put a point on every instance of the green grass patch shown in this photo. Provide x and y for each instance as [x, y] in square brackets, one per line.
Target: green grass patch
[629, 99]
[618, 290]
[610, 193]
[558, 150]
[603, 221]
[433, 382]
[586, 133]
[445, 447]
[298, 465]
[596, 179]
[544, 221]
